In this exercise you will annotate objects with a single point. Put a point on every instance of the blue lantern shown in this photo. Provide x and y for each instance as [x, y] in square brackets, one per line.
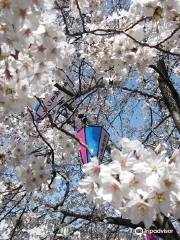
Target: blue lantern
[96, 138]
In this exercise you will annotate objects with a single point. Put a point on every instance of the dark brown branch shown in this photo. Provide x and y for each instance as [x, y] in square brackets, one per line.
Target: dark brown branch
[170, 95]
[17, 203]
[169, 37]
[105, 32]
[81, 16]
[152, 129]
[108, 220]
[64, 18]
[18, 223]
[141, 93]
[63, 89]
[134, 24]
[48, 144]
[65, 194]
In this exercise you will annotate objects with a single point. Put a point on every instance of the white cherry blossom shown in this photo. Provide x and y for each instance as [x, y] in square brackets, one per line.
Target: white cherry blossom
[139, 182]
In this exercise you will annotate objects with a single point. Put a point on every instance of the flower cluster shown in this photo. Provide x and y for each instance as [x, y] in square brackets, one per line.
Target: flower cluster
[139, 183]
[64, 147]
[87, 7]
[26, 152]
[146, 23]
[30, 46]
[32, 171]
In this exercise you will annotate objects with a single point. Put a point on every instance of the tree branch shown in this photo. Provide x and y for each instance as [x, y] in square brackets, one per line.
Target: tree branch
[170, 95]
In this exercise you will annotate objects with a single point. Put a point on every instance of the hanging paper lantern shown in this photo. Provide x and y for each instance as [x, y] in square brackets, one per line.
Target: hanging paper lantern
[96, 138]
[49, 103]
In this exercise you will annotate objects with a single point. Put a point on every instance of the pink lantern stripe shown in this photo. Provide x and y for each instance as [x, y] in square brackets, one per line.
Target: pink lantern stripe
[81, 136]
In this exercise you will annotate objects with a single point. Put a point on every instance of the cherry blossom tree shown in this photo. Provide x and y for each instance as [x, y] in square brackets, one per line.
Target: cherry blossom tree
[65, 64]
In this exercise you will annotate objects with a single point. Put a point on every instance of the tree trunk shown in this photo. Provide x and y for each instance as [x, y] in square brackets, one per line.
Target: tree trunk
[172, 101]
[164, 223]
[170, 95]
